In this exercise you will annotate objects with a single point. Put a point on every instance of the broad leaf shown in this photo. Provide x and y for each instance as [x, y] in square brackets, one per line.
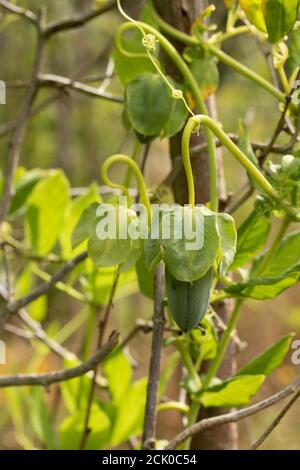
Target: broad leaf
[130, 413]
[23, 189]
[252, 236]
[145, 277]
[177, 117]
[107, 247]
[188, 254]
[254, 12]
[40, 419]
[75, 212]
[228, 237]
[237, 391]
[205, 70]
[294, 50]
[148, 104]
[46, 211]
[72, 428]
[269, 360]
[129, 68]
[84, 225]
[118, 371]
[280, 17]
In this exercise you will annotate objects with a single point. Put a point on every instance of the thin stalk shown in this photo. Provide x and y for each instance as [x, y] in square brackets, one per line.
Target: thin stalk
[134, 156]
[200, 103]
[222, 56]
[119, 158]
[194, 124]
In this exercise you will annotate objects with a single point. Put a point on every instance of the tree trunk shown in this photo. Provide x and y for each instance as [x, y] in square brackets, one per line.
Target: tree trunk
[182, 14]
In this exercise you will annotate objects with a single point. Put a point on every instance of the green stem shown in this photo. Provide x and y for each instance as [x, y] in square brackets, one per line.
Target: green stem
[283, 78]
[233, 32]
[134, 157]
[188, 363]
[186, 159]
[222, 56]
[138, 176]
[193, 86]
[173, 405]
[194, 124]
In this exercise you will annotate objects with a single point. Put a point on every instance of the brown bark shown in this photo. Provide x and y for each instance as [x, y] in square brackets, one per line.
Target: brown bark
[181, 14]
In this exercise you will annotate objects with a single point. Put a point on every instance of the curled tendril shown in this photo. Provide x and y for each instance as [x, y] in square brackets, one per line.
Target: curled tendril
[119, 158]
[149, 41]
[193, 125]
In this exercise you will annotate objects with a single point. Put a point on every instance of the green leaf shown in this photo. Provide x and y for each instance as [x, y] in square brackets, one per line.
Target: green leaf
[228, 237]
[282, 272]
[177, 117]
[254, 12]
[118, 371]
[114, 249]
[74, 214]
[287, 256]
[235, 392]
[263, 288]
[205, 70]
[208, 341]
[40, 419]
[130, 413]
[253, 234]
[72, 428]
[269, 360]
[128, 68]
[84, 225]
[23, 189]
[97, 283]
[46, 211]
[142, 98]
[294, 50]
[280, 17]
[145, 277]
[180, 251]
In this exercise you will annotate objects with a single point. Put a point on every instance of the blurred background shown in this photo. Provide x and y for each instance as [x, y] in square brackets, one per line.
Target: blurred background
[76, 133]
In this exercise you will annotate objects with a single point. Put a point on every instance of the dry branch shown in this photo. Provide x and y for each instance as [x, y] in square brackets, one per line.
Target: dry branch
[234, 416]
[61, 376]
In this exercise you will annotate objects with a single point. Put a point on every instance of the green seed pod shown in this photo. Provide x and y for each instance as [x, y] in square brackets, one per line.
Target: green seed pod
[189, 301]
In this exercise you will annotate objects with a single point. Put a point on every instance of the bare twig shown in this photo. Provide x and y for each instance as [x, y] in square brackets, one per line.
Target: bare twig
[61, 376]
[19, 130]
[234, 416]
[276, 421]
[18, 304]
[40, 334]
[102, 329]
[16, 10]
[58, 81]
[277, 132]
[77, 20]
[148, 441]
